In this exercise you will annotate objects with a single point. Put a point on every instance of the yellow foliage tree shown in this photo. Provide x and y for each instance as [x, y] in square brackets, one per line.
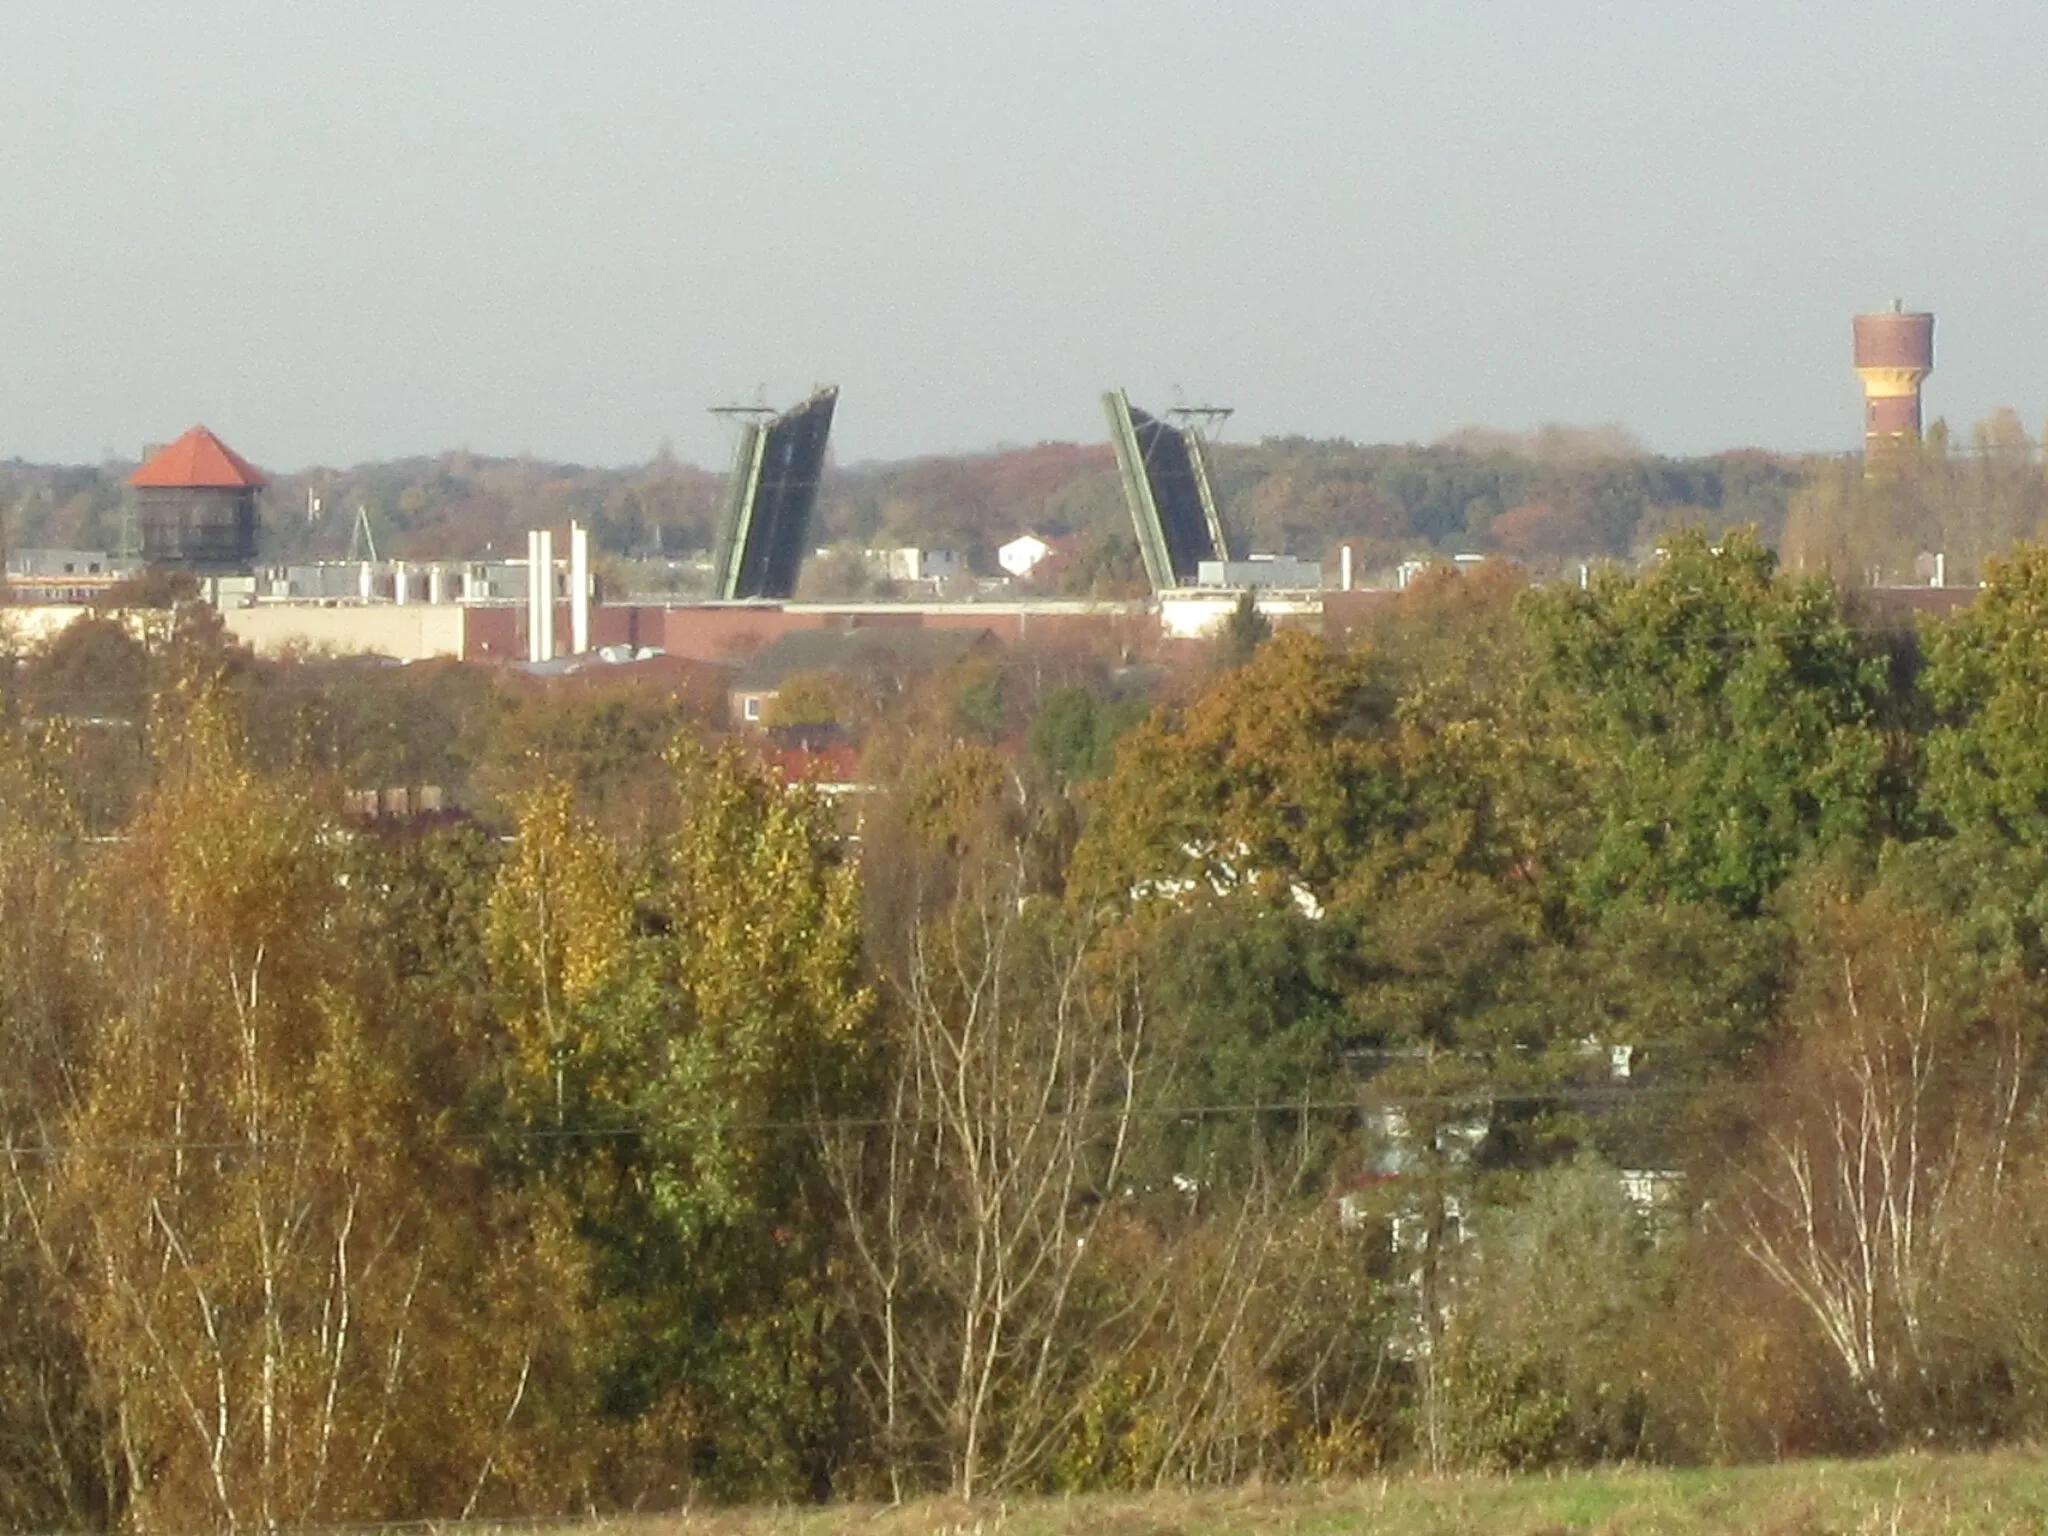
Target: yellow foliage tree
[290, 1313]
[1278, 772]
[560, 922]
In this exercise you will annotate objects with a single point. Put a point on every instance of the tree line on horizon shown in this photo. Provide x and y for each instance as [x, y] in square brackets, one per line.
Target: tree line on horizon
[1561, 491]
[1549, 499]
[1554, 1025]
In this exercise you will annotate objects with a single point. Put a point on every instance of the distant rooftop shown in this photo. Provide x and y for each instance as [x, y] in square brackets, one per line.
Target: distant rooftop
[845, 650]
[198, 461]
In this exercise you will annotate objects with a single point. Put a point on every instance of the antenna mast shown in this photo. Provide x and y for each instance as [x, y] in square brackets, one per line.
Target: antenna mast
[360, 537]
[1205, 419]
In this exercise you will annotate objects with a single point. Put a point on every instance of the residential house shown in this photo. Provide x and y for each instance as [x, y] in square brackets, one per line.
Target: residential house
[870, 658]
[1034, 555]
[912, 565]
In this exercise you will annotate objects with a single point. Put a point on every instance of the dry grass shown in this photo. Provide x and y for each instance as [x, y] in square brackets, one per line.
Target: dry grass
[2003, 1493]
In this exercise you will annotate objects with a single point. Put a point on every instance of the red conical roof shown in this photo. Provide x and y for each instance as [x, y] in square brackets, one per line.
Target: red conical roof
[198, 461]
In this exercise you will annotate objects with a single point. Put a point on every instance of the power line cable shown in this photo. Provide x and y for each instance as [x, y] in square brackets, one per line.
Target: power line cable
[1566, 1098]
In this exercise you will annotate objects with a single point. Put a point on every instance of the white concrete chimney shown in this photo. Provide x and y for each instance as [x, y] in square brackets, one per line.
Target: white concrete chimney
[547, 595]
[533, 625]
[579, 590]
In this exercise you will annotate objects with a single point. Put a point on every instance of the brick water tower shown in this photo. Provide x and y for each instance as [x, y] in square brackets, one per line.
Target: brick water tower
[196, 502]
[1894, 352]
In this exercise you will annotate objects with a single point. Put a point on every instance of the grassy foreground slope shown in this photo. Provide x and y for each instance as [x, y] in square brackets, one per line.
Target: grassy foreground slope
[2006, 1492]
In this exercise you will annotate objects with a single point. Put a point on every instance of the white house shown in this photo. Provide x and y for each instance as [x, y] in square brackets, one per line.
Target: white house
[1024, 554]
[912, 564]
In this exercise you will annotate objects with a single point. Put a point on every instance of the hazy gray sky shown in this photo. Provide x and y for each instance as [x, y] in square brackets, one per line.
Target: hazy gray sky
[378, 227]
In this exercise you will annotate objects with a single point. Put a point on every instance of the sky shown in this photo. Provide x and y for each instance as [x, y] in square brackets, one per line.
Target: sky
[384, 227]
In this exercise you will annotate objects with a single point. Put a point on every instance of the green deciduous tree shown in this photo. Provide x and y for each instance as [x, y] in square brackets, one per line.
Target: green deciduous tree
[1542, 1355]
[687, 1023]
[1073, 735]
[1987, 677]
[1243, 632]
[1728, 722]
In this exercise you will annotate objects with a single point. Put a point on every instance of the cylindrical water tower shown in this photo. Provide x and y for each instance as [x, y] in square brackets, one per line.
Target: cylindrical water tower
[1894, 352]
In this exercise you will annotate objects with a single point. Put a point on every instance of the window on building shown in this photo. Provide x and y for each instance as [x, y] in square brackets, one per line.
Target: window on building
[750, 706]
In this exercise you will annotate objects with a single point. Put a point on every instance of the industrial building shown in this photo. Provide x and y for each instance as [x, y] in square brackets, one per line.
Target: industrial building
[1256, 572]
[197, 501]
[65, 575]
[712, 632]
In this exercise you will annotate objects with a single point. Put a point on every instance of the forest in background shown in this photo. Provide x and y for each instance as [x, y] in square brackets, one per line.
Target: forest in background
[1554, 494]
[1549, 499]
[1557, 1026]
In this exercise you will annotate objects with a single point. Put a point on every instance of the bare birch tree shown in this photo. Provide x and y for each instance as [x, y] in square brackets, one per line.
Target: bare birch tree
[975, 1208]
[271, 1304]
[49, 1432]
[1888, 1152]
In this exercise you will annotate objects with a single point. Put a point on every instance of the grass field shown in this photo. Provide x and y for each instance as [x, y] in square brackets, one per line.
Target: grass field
[2005, 1492]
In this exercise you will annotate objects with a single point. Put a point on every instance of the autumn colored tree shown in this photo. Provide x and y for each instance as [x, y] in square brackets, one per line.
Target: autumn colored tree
[1884, 519]
[367, 725]
[561, 924]
[606, 743]
[1280, 771]
[808, 699]
[270, 1308]
[52, 1472]
[1102, 1095]
[686, 1023]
